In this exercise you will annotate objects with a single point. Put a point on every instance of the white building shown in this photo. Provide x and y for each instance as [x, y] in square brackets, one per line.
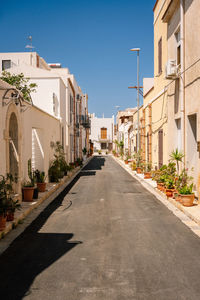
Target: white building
[102, 133]
[25, 131]
[57, 93]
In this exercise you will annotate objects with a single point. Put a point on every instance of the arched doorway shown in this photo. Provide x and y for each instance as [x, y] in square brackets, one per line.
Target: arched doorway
[13, 146]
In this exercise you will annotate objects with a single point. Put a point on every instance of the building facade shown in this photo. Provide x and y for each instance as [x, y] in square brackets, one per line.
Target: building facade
[102, 133]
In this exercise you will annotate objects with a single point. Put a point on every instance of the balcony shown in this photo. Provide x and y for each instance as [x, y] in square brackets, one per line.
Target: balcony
[104, 139]
[85, 121]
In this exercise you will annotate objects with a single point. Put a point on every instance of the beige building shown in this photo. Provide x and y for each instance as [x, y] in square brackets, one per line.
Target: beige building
[26, 132]
[183, 44]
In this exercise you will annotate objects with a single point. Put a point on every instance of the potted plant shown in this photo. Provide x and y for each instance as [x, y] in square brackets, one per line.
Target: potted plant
[138, 158]
[28, 190]
[40, 180]
[169, 184]
[148, 167]
[54, 172]
[127, 156]
[99, 151]
[5, 189]
[186, 195]
[12, 206]
[181, 181]
[133, 165]
[176, 157]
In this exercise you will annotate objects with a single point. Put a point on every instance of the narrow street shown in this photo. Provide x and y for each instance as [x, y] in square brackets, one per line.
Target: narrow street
[106, 238]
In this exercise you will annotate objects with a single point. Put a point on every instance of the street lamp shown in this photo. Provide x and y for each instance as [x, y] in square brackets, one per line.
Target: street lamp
[138, 99]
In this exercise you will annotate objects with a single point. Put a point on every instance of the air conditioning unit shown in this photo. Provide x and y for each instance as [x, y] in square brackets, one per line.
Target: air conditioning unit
[171, 70]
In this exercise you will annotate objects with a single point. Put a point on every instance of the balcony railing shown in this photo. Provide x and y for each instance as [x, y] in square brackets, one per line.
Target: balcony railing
[104, 138]
[85, 121]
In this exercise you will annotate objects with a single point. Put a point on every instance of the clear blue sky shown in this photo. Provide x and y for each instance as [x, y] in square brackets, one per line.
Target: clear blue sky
[90, 37]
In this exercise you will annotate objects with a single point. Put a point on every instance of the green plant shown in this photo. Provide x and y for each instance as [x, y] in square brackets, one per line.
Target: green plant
[30, 172]
[186, 189]
[58, 167]
[28, 184]
[79, 161]
[138, 158]
[20, 82]
[39, 176]
[169, 183]
[6, 192]
[148, 166]
[13, 205]
[84, 150]
[177, 157]
[183, 180]
[133, 166]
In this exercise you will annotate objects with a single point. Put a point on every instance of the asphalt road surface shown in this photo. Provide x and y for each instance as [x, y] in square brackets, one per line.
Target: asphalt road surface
[106, 238]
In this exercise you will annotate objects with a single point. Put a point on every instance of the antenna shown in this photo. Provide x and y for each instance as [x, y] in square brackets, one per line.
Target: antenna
[30, 42]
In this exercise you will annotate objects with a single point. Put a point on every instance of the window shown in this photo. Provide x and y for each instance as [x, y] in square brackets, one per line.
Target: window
[55, 105]
[103, 133]
[71, 108]
[178, 47]
[160, 56]
[6, 64]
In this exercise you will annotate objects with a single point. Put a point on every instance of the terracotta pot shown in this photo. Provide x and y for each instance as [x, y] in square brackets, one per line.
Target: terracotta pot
[169, 192]
[187, 200]
[41, 186]
[177, 197]
[126, 162]
[2, 222]
[160, 186]
[28, 194]
[147, 175]
[10, 216]
[139, 170]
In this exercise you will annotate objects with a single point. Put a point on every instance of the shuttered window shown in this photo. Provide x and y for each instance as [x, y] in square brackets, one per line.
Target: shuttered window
[160, 56]
[103, 133]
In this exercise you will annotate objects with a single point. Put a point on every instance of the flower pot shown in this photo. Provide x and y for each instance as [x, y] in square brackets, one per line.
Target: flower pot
[177, 197]
[2, 222]
[169, 192]
[160, 186]
[139, 170]
[28, 194]
[147, 175]
[41, 186]
[10, 216]
[187, 200]
[126, 162]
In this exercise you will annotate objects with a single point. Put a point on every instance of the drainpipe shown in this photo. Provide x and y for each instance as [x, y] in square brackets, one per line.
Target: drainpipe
[182, 82]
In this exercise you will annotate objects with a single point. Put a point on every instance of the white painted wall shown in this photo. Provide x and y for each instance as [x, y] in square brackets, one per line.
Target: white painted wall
[96, 125]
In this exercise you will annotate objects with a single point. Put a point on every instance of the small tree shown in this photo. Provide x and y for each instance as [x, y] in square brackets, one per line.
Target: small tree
[20, 82]
[177, 157]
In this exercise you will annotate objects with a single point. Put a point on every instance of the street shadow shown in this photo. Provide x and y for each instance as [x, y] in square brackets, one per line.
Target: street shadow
[33, 252]
[30, 255]
[96, 163]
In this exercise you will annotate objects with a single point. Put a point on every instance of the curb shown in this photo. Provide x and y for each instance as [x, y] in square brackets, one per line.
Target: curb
[191, 212]
[30, 210]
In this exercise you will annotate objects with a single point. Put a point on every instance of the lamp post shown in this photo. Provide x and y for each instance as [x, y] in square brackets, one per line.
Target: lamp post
[138, 98]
